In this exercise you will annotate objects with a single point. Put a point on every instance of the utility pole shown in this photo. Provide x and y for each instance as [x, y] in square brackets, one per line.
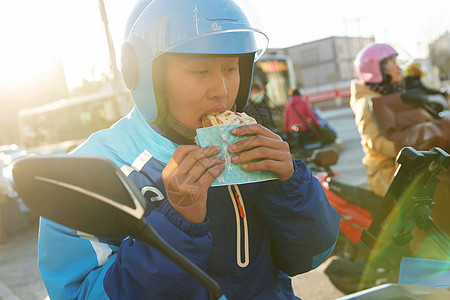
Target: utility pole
[117, 83]
[348, 51]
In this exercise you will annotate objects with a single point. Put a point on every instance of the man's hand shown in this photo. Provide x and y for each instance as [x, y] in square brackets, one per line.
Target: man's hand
[267, 147]
[187, 178]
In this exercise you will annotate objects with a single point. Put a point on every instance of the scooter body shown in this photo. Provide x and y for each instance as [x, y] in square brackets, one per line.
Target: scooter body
[354, 218]
[351, 198]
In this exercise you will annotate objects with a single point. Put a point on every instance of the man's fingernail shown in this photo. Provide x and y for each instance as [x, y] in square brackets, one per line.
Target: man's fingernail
[235, 158]
[235, 130]
[232, 148]
[244, 167]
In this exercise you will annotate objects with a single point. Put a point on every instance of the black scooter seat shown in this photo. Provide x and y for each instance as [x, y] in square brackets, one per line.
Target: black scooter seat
[356, 192]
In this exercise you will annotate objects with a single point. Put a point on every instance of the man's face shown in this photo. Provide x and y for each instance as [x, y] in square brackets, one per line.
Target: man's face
[199, 85]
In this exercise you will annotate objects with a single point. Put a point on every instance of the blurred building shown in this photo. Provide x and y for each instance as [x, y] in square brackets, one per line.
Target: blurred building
[431, 78]
[50, 84]
[440, 55]
[324, 68]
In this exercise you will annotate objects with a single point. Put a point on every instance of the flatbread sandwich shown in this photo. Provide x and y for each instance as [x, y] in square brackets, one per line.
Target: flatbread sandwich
[227, 117]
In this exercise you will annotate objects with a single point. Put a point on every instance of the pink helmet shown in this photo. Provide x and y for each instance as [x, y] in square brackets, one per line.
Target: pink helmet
[367, 62]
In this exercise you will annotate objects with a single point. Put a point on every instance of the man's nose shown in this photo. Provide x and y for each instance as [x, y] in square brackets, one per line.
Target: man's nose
[217, 86]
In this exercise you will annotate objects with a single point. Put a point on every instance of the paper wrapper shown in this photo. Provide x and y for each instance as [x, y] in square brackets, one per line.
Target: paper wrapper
[233, 174]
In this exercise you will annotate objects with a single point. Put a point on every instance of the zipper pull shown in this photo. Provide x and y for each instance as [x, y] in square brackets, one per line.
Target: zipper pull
[241, 209]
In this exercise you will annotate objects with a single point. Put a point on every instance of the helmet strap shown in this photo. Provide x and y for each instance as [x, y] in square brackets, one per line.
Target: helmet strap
[129, 66]
[246, 63]
[159, 82]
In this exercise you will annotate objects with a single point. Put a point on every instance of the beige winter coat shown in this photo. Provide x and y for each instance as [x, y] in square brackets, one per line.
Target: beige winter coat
[380, 154]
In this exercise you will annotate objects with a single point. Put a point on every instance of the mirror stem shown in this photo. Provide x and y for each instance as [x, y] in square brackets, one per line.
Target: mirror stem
[150, 237]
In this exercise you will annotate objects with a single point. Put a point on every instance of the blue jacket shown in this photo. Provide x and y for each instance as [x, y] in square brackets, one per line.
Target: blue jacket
[250, 244]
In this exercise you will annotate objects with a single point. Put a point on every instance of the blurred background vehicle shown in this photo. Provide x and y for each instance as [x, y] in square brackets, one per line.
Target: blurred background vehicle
[14, 215]
[10, 152]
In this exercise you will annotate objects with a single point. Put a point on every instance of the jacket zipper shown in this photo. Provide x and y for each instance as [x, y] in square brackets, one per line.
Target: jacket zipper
[241, 221]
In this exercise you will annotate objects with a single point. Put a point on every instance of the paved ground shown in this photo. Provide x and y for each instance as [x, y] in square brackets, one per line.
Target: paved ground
[19, 276]
[315, 285]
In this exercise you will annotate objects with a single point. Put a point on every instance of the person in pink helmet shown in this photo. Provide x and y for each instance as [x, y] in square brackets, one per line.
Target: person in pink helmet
[379, 75]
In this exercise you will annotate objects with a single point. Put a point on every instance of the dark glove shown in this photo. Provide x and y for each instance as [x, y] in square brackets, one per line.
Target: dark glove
[417, 98]
[414, 97]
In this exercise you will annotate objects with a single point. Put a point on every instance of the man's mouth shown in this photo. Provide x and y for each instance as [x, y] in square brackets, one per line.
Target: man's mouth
[215, 110]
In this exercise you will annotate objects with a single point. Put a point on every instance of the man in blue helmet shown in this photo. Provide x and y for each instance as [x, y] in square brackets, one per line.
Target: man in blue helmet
[182, 60]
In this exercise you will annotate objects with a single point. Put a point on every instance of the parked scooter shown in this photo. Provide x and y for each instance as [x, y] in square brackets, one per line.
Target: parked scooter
[305, 150]
[352, 199]
[301, 150]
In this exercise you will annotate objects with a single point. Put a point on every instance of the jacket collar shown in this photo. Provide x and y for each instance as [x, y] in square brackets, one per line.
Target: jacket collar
[360, 90]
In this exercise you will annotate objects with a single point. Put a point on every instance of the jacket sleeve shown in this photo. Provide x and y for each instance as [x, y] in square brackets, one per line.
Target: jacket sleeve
[369, 131]
[75, 265]
[303, 224]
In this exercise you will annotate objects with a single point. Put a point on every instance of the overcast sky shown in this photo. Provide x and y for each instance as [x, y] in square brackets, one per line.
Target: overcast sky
[32, 31]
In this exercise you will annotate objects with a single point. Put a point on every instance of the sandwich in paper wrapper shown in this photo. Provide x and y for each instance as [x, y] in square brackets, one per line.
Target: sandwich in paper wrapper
[216, 131]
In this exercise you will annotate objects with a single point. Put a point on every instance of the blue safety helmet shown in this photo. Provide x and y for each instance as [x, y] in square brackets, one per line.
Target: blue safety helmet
[191, 27]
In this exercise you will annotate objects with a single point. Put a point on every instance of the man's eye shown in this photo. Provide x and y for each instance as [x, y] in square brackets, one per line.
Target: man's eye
[233, 69]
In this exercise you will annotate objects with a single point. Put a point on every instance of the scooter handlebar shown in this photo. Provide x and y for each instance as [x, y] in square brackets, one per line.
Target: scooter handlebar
[413, 163]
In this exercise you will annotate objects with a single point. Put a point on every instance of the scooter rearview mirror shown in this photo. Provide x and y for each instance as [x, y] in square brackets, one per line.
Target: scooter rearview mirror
[87, 193]
[91, 194]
